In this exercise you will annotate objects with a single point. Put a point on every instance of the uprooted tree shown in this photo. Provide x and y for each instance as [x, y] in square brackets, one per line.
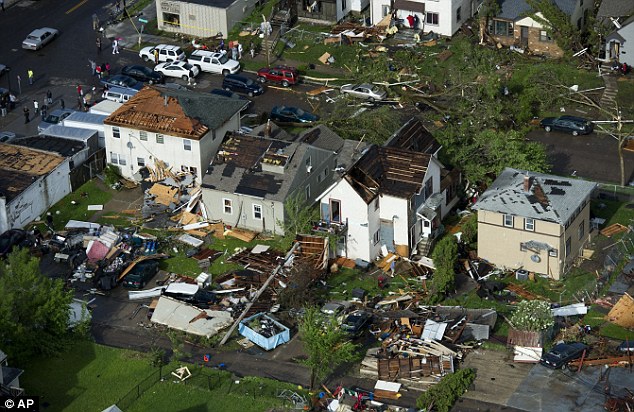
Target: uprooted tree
[444, 255]
[532, 315]
[34, 309]
[325, 343]
[441, 396]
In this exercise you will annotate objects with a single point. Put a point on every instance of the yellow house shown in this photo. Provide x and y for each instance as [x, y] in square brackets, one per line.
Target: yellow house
[534, 221]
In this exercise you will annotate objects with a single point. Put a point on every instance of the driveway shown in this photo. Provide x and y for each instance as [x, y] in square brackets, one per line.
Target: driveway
[593, 157]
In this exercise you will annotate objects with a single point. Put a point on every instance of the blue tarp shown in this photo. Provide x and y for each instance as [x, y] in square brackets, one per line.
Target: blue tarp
[260, 340]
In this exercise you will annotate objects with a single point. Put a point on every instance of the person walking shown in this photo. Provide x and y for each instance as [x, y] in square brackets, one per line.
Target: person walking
[115, 46]
[26, 114]
[12, 101]
[156, 56]
[95, 22]
[234, 53]
[252, 49]
[44, 110]
[36, 107]
[93, 67]
[98, 71]
[107, 71]
[62, 104]
[240, 50]
[49, 97]
[80, 91]
[98, 42]
[31, 76]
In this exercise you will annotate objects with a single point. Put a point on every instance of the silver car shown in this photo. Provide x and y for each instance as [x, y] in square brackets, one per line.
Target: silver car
[364, 91]
[39, 38]
[55, 117]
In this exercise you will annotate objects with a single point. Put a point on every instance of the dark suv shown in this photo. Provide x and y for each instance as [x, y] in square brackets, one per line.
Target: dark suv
[141, 274]
[143, 74]
[242, 84]
[570, 124]
[563, 353]
[279, 74]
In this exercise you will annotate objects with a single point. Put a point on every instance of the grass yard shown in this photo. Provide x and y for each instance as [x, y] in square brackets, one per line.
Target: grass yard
[612, 212]
[88, 377]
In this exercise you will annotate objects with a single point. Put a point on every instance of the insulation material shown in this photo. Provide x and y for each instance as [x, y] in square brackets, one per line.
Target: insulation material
[527, 354]
[571, 310]
[181, 316]
[434, 330]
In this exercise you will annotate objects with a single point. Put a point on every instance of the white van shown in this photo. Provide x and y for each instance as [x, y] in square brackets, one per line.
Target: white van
[213, 62]
[118, 94]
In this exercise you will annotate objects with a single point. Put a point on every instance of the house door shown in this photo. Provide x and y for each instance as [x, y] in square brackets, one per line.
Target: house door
[615, 50]
[387, 234]
[325, 212]
[523, 36]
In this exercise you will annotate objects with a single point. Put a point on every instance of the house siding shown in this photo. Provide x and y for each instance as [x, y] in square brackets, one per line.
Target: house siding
[500, 245]
[397, 210]
[626, 48]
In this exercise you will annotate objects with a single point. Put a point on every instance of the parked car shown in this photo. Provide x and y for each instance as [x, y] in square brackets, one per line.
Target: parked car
[562, 353]
[289, 114]
[178, 69]
[54, 117]
[11, 238]
[364, 91]
[335, 308]
[356, 321]
[143, 74]
[121, 80]
[213, 62]
[283, 75]
[141, 274]
[118, 94]
[242, 84]
[167, 53]
[227, 93]
[570, 124]
[39, 38]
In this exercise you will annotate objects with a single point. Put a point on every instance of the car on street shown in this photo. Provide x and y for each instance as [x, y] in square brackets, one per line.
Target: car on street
[562, 353]
[364, 91]
[39, 38]
[54, 117]
[213, 62]
[355, 322]
[335, 308]
[121, 80]
[178, 69]
[143, 74]
[283, 75]
[166, 53]
[569, 124]
[289, 114]
[141, 274]
[242, 84]
[11, 238]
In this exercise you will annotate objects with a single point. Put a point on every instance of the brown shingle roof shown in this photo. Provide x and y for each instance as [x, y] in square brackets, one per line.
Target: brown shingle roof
[152, 111]
[24, 159]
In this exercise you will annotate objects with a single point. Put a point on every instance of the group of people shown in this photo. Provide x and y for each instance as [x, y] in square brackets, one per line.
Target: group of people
[99, 70]
[43, 110]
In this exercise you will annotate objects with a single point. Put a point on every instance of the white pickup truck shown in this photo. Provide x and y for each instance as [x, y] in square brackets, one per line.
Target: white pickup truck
[213, 62]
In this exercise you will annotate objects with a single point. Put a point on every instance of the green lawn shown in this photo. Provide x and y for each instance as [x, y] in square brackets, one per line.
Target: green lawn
[88, 377]
[612, 211]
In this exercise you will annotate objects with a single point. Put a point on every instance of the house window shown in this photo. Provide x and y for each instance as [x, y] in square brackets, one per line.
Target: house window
[307, 192]
[227, 205]
[377, 236]
[529, 224]
[143, 135]
[140, 161]
[122, 160]
[429, 188]
[257, 212]
[343, 5]
[376, 203]
[431, 18]
[325, 173]
[568, 246]
[116, 133]
[335, 211]
[114, 158]
[385, 10]
[160, 139]
[582, 229]
[523, 247]
[552, 253]
[187, 144]
[544, 36]
[508, 220]
[459, 15]
[309, 163]
[501, 28]
[172, 19]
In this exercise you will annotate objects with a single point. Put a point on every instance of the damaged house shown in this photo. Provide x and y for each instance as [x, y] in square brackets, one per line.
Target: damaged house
[181, 129]
[252, 177]
[617, 16]
[395, 197]
[519, 26]
[31, 181]
[534, 221]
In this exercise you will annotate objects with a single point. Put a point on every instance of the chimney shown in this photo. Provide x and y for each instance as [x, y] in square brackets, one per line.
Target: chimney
[267, 129]
[527, 183]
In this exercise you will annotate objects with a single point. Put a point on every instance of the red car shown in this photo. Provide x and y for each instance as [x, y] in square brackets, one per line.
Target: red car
[279, 74]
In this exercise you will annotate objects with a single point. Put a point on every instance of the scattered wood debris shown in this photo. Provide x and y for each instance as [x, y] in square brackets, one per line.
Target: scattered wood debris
[614, 229]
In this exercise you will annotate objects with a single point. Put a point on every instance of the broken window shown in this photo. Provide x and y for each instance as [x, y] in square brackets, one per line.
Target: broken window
[160, 139]
[140, 161]
[377, 236]
[335, 211]
[116, 133]
[431, 18]
[257, 212]
[529, 224]
[544, 36]
[227, 206]
[508, 220]
[459, 15]
[171, 19]
[501, 28]
[343, 5]
[582, 229]
[143, 135]
[187, 144]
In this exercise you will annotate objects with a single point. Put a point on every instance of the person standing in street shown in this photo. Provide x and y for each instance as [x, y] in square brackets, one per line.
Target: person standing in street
[234, 53]
[93, 67]
[252, 49]
[156, 56]
[12, 101]
[62, 104]
[26, 114]
[31, 76]
[98, 45]
[49, 97]
[80, 91]
[115, 46]
[44, 109]
[240, 50]
[36, 107]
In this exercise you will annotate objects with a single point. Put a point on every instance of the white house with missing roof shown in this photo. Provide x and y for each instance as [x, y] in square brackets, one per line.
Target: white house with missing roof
[534, 221]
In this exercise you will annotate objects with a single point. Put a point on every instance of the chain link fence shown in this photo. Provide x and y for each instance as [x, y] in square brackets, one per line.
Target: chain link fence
[135, 393]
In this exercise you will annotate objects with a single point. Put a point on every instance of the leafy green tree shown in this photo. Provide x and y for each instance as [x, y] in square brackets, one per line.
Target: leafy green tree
[298, 216]
[374, 126]
[470, 230]
[443, 395]
[532, 315]
[567, 36]
[325, 343]
[444, 256]
[34, 309]
[489, 9]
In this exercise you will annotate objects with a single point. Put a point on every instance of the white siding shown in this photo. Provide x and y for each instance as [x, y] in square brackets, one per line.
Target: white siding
[397, 210]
